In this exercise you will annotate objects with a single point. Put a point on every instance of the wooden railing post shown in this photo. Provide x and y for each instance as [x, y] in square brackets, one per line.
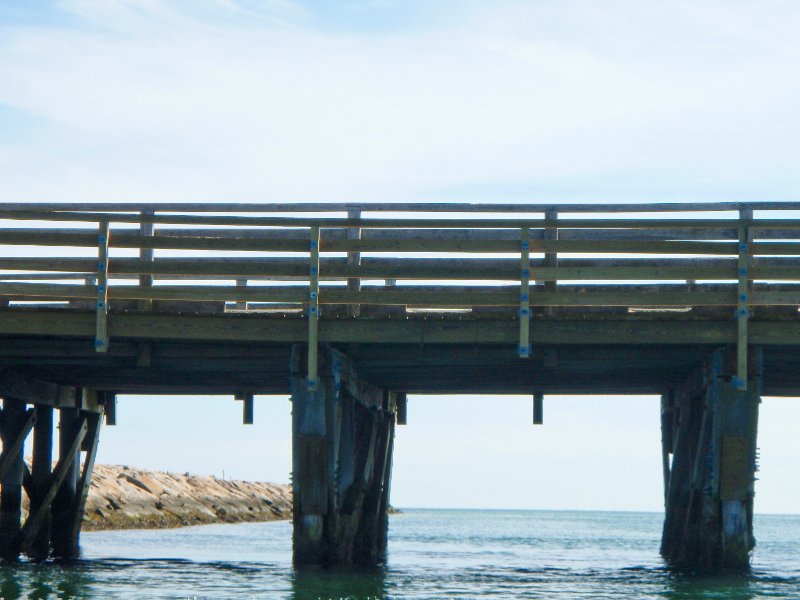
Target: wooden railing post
[241, 304]
[101, 333]
[354, 261]
[550, 258]
[313, 308]
[743, 298]
[146, 255]
[524, 349]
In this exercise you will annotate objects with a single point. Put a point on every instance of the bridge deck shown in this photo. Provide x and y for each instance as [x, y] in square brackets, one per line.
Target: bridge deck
[426, 298]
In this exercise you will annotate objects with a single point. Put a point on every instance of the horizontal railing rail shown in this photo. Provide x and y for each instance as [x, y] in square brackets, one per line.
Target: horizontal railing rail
[659, 256]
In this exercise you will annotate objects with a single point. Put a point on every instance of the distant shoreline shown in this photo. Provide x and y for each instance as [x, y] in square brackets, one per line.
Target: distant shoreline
[122, 497]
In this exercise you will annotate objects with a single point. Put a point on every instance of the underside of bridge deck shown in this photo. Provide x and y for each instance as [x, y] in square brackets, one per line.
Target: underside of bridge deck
[201, 355]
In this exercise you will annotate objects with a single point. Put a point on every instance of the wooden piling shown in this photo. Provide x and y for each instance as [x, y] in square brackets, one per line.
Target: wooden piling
[709, 496]
[13, 424]
[342, 445]
[64, 546]
[41, 471]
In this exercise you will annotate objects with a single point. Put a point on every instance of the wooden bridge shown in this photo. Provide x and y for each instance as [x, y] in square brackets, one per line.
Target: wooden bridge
[349, 308]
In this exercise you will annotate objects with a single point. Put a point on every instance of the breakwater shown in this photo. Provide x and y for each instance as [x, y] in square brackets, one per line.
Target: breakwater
[122, 497]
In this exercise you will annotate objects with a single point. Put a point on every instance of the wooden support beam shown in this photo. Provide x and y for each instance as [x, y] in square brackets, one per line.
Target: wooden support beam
[538, 408]
[524, 348]
[313, 308]
[247, 409]
[640, 331]
[62, 494]
[37, 391]
[101, 333]
[15, 421]
[402, 409]
[109, 407]
[40, 479]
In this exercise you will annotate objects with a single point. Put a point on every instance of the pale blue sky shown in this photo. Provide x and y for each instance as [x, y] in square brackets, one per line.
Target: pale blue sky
[226, 100]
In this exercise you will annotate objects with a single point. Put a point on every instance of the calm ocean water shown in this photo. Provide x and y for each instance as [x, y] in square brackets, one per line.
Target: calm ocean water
[433, 554]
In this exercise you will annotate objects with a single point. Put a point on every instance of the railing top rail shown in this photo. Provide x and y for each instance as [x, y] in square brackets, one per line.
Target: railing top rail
[420, 207]
[400, 223]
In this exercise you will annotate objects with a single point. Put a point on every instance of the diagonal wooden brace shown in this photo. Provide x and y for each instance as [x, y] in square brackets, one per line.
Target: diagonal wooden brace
[34, 521]
[11, 451]
[94, 422]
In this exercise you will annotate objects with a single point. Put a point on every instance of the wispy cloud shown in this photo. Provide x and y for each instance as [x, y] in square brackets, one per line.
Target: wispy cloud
[225, 100]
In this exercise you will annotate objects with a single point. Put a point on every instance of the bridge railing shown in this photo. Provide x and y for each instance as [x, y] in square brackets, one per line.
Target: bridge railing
[503, 264]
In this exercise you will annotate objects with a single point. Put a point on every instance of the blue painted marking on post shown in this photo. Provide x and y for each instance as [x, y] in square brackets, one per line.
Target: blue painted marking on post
[524, 351]
[312, 384]
[313, 295]
[743, 247]
[525, 273]
[526, 245]
[313, 244]
[741, 313]
[314, 270]
[313, 310]
[101, 288]
[743, 298]
[99, 343]
[100, 304]
[524, 312]
[523, 298]
[737, 382]
[101, 239]
[101, 267]
[742, 271]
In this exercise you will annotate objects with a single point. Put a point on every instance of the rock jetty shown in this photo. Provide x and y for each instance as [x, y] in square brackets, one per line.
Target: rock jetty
[127, 498]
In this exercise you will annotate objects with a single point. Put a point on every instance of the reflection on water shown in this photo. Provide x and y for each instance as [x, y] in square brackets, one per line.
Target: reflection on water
[46, 581]
[433, 555]
[692, 587]
[349, 584]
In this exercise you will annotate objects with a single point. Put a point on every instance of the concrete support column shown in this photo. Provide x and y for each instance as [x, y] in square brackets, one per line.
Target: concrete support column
[710, 428]
[342, 446]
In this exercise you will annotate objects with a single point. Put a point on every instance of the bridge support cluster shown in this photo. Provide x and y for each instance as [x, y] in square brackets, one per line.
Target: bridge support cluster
[56, 495]
[342, 436]
[709, 428]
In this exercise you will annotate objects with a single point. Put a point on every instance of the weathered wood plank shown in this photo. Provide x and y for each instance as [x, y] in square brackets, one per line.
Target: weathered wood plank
[487, 331]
